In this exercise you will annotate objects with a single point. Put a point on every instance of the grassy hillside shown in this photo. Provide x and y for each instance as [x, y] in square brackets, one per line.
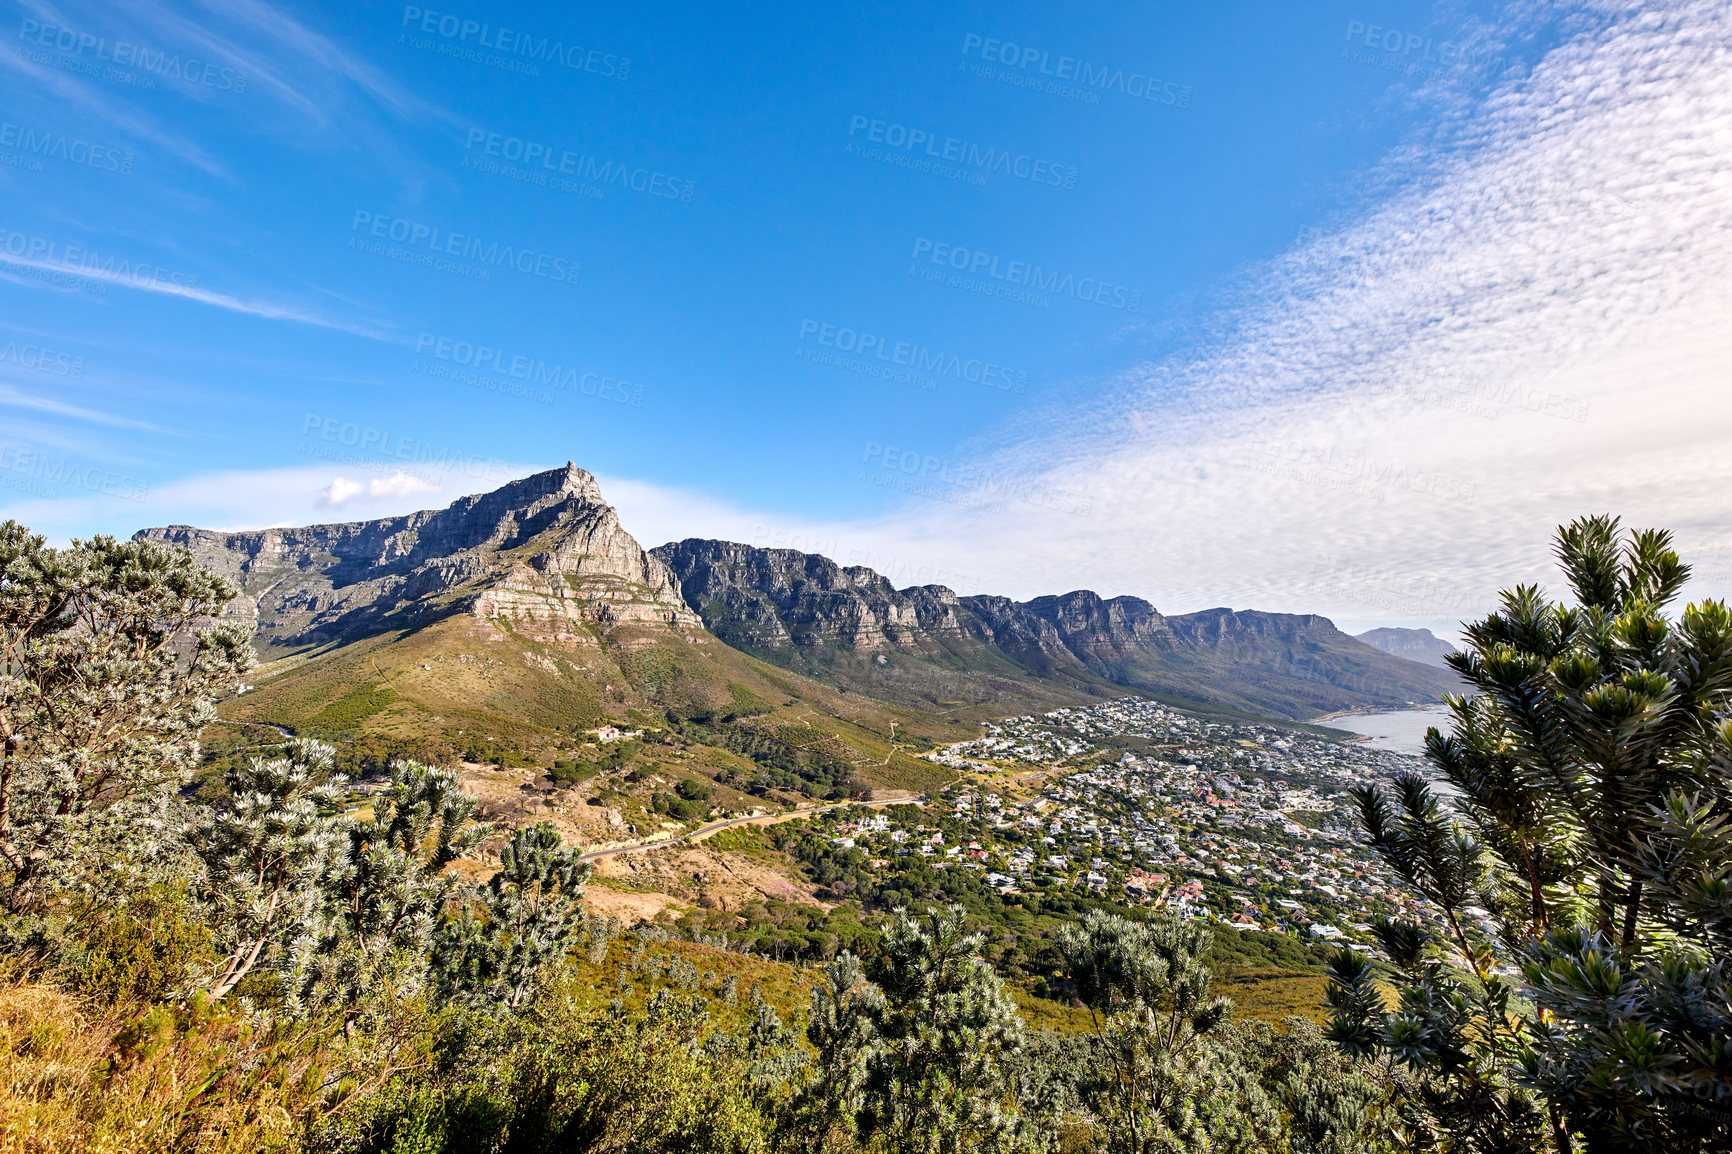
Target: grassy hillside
[775, 887]
[485, 692]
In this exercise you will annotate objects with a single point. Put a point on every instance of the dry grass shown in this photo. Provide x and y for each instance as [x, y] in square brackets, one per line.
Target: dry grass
[182, 1078]
[1273, 995]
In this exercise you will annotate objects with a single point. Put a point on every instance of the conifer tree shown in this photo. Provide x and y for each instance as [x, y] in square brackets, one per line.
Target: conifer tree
[920, 1051]
[1594, 771]
[384, 892]
[267, 853]
[1146, 987]
[524, 919]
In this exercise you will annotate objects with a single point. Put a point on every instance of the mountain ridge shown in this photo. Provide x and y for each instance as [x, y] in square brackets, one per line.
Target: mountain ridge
[546, 548]
[546, 559]
[1421, 645]
[849, 625]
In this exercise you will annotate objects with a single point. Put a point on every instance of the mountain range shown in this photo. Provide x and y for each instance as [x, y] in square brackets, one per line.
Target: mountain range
[927, 646]
[518, 615]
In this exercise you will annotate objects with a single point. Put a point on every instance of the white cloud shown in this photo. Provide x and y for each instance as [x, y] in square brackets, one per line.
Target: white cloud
[237, 499]
[1535, 324]
[253, 307]
[12, 398]
[398, 485]
[308, 81]
[339, 491]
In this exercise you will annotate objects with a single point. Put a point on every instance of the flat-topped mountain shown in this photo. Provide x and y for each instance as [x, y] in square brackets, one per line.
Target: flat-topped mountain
[546, 550]
[928, 645]
[543, 568]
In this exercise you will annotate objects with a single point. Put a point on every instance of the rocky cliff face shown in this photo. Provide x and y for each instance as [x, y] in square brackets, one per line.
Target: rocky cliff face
[773, 598]
[549, 554]
[546, 551]
[850, 626]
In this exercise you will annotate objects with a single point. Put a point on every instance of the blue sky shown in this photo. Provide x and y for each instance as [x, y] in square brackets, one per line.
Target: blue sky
[300, 263]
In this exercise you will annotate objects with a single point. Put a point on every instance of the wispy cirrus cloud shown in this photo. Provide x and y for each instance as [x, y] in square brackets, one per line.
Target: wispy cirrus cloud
[302, 75]
[1532, 322]
[265, 309]
[13, 398]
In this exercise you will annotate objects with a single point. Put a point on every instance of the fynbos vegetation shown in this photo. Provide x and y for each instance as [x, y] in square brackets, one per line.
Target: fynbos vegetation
[296, 966]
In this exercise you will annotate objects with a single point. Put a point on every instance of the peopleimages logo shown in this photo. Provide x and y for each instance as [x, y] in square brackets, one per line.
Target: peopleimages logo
[530, 370]
[1327, 467]
[523, 46]
[1399, 43]
[51, 146]
[60, 471]
[931, 144]
[43, 360]
[431, 239]
[1024, 58]
[915, 357]
[369, 443]
[968, 485]
[555, 161]
[974, 263]
[85, 262]
[191, 69]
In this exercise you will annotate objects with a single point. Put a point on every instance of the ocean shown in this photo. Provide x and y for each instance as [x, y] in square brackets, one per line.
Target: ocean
[1402, 730]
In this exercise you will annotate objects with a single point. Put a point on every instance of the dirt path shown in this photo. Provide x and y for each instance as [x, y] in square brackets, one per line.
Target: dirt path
[702, 832]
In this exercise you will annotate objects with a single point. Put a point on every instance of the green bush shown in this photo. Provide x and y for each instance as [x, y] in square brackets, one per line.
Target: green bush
[564, 1079]
[744, 703]
[679, 808]
[373, 753]
[695, 790]
[141, 953]
[573, 772]
[346, 714]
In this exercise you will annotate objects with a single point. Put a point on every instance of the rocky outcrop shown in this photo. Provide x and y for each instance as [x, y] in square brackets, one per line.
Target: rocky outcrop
[546, 551]
[773, 598]
[850, 626]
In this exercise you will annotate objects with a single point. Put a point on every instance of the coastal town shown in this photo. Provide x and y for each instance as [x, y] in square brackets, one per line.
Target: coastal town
[1238, 822]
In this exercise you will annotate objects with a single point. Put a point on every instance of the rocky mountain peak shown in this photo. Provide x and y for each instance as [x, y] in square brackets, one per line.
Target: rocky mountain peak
[546, 550]
[568, 481]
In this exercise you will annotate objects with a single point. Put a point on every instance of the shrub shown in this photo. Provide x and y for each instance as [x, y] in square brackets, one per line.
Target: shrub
[680, 809]
[563, 1079]
[695, 791]
[142, 953]
[572, 772]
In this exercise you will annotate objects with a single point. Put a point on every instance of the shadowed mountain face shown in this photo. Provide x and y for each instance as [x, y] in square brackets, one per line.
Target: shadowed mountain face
[547, 551]
[1414, 644]
[546, 560]
[926, 645]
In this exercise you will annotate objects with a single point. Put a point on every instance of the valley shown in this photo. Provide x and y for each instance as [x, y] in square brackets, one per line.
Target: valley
[765, 745]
